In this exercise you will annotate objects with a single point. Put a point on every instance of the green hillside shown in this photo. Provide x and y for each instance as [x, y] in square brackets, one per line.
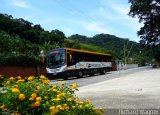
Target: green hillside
[22, 41]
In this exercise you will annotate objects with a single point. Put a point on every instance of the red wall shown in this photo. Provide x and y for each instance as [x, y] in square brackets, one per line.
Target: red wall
[22, 71]
[114, 67]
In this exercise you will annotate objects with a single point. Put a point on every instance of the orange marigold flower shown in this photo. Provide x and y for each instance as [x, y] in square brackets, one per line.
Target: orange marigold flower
[80, 102]
[18, 77]
[30, 78]
[52, 108]
[21, 96]
[15, 90]
[54, 90]
[63, 94]
[8, 82]
[42, 77]
[31, 99]
[21, 80]
[65, 105]
[38, 87]
[63, 83]
[33, 104]
[74, 86]
[2, 107]
[88, 100]
[59, 96]
[67, 108]
[58, 106]
[34, 95]
[11, 78]
[69, 99]
[87, 105]
[58, 99]
[45, 97]
[37, 103]
[46, 81]
[38, 98]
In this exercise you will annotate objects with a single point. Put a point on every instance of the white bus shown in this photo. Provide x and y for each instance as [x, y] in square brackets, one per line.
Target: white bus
[68, 62]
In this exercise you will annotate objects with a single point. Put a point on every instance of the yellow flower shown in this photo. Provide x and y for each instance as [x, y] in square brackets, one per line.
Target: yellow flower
[34, 95]
[38, 87]
[88, 100]
[21, 80]
[31, 99]
[80, 106]
[53, 99]
[18, 77]
[73, 107]
[2, 107]
[87, 105]
[38, 98]
[81, 102]
[59, 96]
[58, 91]
[58, 99]
[65, 105]
[15, 90]
[30, 78]
[45, 97]
[46, 81]
[54, 111]
[63, 94]
[52, 108]
[56, 83]
[61, 108]
[77, 99]
[8, 82]
[42, 77]
[58, 106]
[54, 90]
[37, 103]
[54, 87]
[69, 99]
[21, 96]
[74, 86]
[11, 78]
[63, 83]
[67, 108]
[33, 104]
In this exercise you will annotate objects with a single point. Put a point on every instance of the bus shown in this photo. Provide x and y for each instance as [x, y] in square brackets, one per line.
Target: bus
[68, 62]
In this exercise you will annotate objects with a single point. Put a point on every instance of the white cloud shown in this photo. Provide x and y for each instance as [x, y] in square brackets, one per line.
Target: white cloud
[93, 27]
[21, 4]
[101, 9]
[96, 27]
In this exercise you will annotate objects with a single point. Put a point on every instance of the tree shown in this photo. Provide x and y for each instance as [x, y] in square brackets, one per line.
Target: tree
[148, 11]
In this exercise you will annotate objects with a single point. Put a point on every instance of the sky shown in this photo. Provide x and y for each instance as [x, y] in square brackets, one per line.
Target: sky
[83, 17]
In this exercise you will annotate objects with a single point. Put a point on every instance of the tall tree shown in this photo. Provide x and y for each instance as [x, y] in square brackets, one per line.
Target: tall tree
[148, 12]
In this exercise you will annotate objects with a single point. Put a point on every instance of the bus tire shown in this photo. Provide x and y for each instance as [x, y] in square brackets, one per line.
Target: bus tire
[65, 76]
[103, 71]
[80, 74]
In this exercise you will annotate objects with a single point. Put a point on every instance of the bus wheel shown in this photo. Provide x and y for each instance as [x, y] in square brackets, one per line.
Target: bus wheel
[103, 71]
[80, 74]
[65, 77]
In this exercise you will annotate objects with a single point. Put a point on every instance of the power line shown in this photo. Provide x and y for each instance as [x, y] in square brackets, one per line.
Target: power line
[76, 10]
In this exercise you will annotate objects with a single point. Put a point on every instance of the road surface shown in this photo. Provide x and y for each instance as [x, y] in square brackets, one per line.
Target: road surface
[138, 89]
[87, 80]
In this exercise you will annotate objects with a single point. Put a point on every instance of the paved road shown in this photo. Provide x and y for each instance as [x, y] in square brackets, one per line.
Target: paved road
[134, 89]
[99, 78]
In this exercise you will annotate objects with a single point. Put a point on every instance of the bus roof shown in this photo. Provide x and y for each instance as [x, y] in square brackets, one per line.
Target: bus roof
[84, 51]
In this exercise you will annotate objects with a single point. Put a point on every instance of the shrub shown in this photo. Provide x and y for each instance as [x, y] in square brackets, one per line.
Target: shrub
[36, 96]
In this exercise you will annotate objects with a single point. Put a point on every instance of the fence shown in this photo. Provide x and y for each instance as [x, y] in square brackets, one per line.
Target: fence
[12, 71]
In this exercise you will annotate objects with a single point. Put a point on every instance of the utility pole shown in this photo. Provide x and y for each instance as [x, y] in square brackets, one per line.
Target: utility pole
[126, 52]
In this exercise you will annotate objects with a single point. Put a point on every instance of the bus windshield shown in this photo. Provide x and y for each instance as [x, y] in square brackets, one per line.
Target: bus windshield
[56, 59]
